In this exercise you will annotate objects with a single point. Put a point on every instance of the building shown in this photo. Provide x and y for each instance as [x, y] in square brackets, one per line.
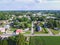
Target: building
[20, 16]
[2, 29]
[38, 28]
[51, 17]
[7, 27]
[19, 31]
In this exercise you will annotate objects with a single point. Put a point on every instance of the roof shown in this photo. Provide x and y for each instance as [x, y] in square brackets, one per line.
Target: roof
[19, 30]
[2, 29]
[6, 26]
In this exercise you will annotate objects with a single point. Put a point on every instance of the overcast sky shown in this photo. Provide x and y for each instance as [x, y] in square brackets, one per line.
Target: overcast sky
[29, 4]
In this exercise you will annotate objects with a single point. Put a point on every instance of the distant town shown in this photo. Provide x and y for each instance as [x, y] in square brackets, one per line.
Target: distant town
[29, 22]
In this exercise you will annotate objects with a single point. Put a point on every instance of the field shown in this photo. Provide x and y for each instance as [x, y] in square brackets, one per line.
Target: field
[45, 40]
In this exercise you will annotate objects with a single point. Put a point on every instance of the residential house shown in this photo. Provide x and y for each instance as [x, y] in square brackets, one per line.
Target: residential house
[19, 31]
[2, 29]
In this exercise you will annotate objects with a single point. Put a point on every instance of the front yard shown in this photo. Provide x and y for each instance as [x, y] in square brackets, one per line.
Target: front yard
[55, 31]
[44, 31]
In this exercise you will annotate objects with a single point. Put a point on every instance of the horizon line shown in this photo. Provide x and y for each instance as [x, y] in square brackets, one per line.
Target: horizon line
[25, 10]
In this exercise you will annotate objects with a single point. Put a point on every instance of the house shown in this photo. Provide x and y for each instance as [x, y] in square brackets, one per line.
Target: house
[39, 13]
[34, 15]
[19, 31]
[24, 15]
[38, 28]
[7, 27]
[51, 17]
[2, 29]
[20, 16]
[29, 17]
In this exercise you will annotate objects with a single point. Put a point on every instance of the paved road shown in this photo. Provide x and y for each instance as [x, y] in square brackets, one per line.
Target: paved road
[49, 34]
[40, 35]
[7, 35]
[37, 35]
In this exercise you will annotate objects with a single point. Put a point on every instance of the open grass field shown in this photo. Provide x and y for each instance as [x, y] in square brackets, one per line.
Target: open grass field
[45, 40]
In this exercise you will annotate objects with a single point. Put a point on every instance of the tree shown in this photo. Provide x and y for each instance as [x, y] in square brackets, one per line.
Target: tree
[12, 40]
[20, 40]
[50, 23]
[33, 18]
[55, 23]
[4, 16]
[22, 19]
[0, 42]
[4, 42]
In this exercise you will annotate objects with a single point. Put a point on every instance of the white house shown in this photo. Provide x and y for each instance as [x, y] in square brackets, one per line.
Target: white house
[40, 28]
[50, 17]
[20, 16]
[34, 15]
[39, 13]
[24, 15]
[7, 27]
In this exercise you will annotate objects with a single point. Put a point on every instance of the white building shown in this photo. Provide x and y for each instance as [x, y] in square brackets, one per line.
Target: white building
[34, 15]
[7, 27]
[20, 16]
[50, 17]
[24, 15]
[39, 13]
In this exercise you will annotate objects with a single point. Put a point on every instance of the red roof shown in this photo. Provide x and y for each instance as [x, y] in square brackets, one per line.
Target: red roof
[19, 30]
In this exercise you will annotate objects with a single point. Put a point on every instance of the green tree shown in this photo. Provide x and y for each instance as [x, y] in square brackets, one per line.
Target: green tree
[4, 42]
[20, 40]
[55, 23]
[0, 42]
[12, 40]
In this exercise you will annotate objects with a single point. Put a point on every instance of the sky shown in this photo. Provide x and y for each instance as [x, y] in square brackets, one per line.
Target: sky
[29, 4]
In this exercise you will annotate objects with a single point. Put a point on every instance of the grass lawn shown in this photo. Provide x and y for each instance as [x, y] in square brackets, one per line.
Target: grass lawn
[55, 31]
[1, 33]
[39, 33]
[28, 32]
[13, 29]
[45, 40]
[44, 31]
